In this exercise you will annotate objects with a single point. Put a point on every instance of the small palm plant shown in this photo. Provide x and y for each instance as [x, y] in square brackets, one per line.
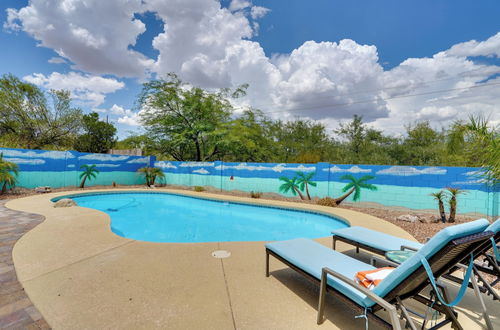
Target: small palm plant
[453, 192]
[89, 172]
[440, 197]
[304, 181]
[8, 173]
[151, 174]
[354, 186]
[290, 185]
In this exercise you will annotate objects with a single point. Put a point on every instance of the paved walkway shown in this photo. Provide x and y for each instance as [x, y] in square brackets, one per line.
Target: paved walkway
[16, 309]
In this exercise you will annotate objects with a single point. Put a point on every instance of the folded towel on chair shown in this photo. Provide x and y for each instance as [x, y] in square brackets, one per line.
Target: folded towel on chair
[371, 278]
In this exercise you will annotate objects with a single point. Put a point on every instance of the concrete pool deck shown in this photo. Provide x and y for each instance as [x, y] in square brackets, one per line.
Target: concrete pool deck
[82, 276]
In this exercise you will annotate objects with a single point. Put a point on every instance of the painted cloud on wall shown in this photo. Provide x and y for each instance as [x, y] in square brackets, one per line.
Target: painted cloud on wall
[353, 169]
[104, 157]
[277, 168]
[197, 164]
[143, 160]
[201, 171]
[107, 165]
[33, 154]
[71, 165]
[163, 164]
[406, 170]
[26, 161]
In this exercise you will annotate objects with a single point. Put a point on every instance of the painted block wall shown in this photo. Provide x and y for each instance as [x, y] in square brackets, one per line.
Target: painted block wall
[403, 186]
[62, 168]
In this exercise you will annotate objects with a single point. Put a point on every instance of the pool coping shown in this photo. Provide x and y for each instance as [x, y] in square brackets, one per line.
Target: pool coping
[76, 242]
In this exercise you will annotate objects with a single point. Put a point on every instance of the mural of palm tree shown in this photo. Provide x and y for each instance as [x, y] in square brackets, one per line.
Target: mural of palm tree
[89, 172]
[8, 173]
[440, 197]
[304, 181]
[354, 186]
[454, 192]
[290, 185]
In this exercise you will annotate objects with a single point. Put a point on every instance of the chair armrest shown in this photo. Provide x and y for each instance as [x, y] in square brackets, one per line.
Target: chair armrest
[375, 259]
[389, 307]
[405, 247]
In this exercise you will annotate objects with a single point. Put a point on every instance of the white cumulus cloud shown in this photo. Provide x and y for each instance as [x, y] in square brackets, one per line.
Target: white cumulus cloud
[86, 88]
[212, 47]
[96, 35]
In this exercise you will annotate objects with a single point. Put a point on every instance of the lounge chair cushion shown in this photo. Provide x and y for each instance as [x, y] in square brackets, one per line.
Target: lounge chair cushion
[436, 243]
[494, 227]
[375, 239]
[311, 257]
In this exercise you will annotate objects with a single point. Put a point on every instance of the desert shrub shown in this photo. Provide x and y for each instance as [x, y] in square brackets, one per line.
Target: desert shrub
[327, 201]
[255, 194]
[199, 188]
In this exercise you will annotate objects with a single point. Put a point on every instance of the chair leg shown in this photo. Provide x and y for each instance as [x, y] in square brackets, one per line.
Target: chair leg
[487, 285]
[267, 263]
[405, 315]
[322, 294]
[481, 302]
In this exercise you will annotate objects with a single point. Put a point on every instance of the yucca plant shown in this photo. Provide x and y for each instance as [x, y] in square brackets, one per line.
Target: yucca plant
[151, 174]
[440, 197]
[453, 192]
[8, 174]
[89, 172]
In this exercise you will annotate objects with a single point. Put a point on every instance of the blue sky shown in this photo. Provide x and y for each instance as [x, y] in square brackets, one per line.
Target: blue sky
[301, 58]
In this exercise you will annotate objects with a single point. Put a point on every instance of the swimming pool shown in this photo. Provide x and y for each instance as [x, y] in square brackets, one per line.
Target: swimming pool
[164, 217]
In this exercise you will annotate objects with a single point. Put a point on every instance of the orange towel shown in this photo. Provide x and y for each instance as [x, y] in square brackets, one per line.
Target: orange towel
[371, 278]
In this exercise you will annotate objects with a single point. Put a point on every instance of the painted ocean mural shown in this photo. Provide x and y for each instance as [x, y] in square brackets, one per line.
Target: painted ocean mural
[62, 168]
[403, 186]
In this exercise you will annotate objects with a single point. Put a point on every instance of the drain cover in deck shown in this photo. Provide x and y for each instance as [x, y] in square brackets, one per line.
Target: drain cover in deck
[220, 254]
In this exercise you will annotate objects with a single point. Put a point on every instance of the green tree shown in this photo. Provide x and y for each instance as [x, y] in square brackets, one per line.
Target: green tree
[151, 174]
[301, 141]
[98, 136]
[89, 172]
[28, 120]
[423, 146]
[8, 173]
[248, 138]
[354, 133]
[440, 197]
[363, 144]
[290, 185]
[355, 185]
[188, 123]
[304, 181]
[479, 145]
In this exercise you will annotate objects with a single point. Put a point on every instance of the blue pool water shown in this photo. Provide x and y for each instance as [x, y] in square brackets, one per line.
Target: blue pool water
[160, 217]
